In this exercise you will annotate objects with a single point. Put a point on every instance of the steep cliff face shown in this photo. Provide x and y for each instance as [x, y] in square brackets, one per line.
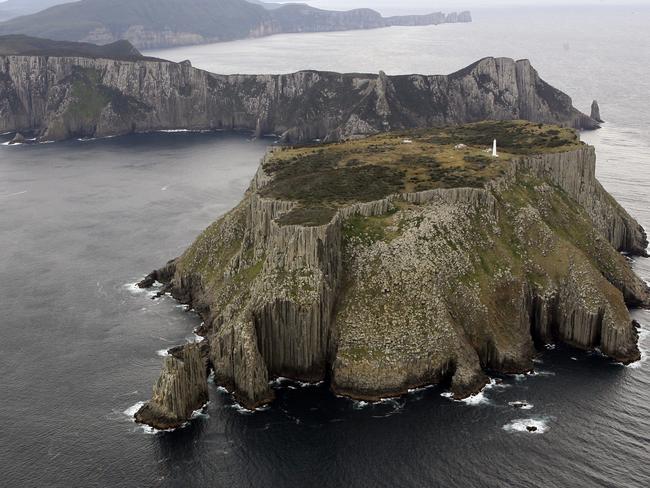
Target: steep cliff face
[61, 97]
[181, 388]
[387, 264]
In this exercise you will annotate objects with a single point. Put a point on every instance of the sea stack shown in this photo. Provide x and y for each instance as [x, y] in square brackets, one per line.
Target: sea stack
[595, 112]
[18, 139]
[384, 266]
[181, 389]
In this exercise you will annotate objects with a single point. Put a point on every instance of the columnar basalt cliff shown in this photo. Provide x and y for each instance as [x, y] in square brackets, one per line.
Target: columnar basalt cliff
[181, 389]
[402, 260]
[62, 97]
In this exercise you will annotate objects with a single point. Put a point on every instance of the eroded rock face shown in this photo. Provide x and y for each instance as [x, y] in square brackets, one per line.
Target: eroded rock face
[181, 389]
[62, 97]
[416, 288]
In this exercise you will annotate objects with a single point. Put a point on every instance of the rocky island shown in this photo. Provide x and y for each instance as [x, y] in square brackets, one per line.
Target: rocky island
[400, 260]
[54, 90]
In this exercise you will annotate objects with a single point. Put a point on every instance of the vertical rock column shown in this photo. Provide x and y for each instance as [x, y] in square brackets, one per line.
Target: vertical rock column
[181, 388]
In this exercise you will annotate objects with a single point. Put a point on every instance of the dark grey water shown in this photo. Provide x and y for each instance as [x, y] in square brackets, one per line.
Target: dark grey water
[79, 221]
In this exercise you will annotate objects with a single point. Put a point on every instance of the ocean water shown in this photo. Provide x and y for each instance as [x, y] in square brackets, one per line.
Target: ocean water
[81, 221]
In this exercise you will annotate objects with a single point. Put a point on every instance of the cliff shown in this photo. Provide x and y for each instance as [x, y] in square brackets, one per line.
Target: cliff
[181, 389]
[406, 259]
[62, 97]
[154, 24]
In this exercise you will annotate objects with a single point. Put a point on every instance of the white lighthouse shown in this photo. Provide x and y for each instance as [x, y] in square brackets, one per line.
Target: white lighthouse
[494, 149]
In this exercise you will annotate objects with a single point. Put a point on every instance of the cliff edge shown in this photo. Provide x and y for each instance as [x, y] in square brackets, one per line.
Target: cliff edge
[406, 259]
[62, 97]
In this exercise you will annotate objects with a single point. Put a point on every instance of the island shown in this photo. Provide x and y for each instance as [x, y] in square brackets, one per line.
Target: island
[55, 90]
[404, 259]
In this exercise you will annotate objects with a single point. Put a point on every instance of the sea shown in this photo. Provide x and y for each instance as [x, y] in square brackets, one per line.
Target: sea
[80, 346]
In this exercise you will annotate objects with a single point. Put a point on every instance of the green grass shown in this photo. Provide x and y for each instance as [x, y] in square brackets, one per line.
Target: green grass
[90, 97]
[513, 137]
[308, 216]
[356, 184]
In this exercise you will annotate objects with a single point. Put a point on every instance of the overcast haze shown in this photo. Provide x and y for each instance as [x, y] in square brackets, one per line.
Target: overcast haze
[424, 5]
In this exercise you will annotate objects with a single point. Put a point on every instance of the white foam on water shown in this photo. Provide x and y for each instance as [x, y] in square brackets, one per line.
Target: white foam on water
[14, 194]
[241, 409]
[420, 389]
[541, 372]
[643, 335]
[281, 381]
[162, 353]
[476, 399]
[360, 404]
[195, 338]
[130, 412]
[521, 425]
[201, 412]
[134, 288]
[550, 347]
[194, 131]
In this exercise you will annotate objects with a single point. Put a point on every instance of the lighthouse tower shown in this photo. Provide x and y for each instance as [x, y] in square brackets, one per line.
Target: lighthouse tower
[494, 149]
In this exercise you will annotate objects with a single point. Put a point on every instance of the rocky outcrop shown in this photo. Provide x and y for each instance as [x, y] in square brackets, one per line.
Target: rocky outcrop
[149, 24]
[417, 287]
[181, 389]
[62, 97]
[595, 112]
[17, 139]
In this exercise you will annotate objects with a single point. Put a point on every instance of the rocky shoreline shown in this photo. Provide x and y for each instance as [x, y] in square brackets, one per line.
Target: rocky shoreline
[413, 289]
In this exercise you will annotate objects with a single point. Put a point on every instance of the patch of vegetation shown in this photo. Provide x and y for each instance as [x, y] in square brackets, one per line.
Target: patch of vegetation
[362, 183]
[308, 216]
[370, 229]
[375, 167]
[90, 97]
[514, 137]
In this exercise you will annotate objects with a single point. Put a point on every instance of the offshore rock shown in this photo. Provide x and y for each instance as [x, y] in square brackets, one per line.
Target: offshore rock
[385, 266]
[75, 96]
[17, 139]
[181, 389]
[595, 112]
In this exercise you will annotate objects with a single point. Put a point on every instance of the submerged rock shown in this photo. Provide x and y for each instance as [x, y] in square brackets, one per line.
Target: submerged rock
[387, 266]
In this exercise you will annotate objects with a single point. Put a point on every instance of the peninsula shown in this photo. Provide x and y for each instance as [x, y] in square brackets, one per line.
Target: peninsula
[54, 90]
[400, 260]
[152, 24]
